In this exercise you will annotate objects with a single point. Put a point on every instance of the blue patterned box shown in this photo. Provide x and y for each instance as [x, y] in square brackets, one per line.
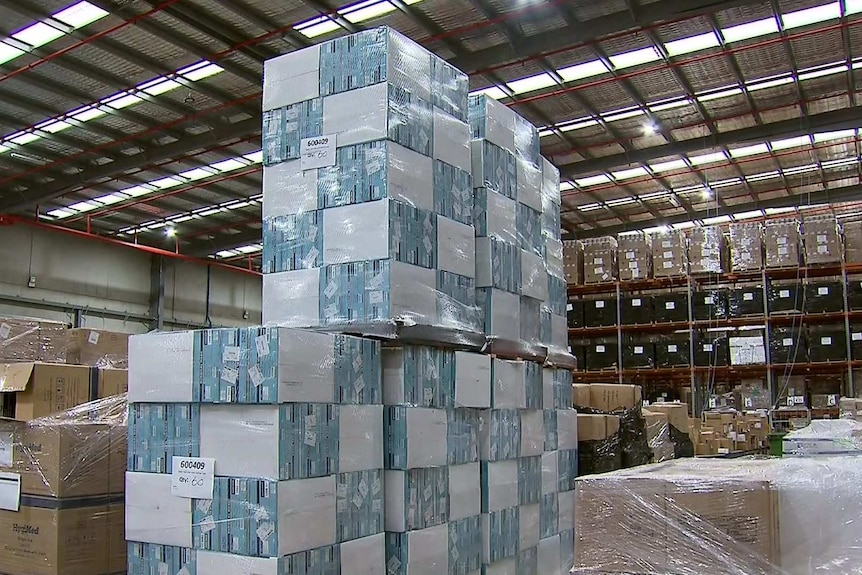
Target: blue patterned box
[158, 432]
[453, 192]
[557, 389]
[449, 87]
[417, 498]
[292, 242]
[498, 265]
[150, 559]
[529, 480]
[500, 434]
[463, 435]
[500, 534]
[529, 228]
[283, 128]
[359, 504]
[550, 515]
[494, 168]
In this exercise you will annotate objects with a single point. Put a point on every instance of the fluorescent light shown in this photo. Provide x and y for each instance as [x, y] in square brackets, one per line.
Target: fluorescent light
[137, 191]
[800, 169]
[823, 72]
[631, 173]
[61, 213]
[84, 206]
[775, 211]
[4, 149]
[249, 249]
[545, 132]
[254, 157]
[121, 100]
[87, 113]
[157, 225]
[80, 14]
[839, 163]
[661, 107]
[837, 135]
[725, 183]
[746, 151]
[492, 92]
[197, 174]
[209, 212]
[755, 85]
[852, 7]
[593, 180]
[166, 183]
[531, 83]
[229, 165]
[578, 125]
[763, 176]
[750, 30]
[581, 71]
[707, 158]
[811, 15]
[716, 220]
[590, 207]
[621, 201]
[239, 205]
[748, 215]
[181, 219]
[22, 139]
[791, 142]
[53, 126]
[654, 195]
[38, 34]
[317, 27]
[736, 90]
[225, 253]
[692, 44]
[667, 166]
[111, 199]
[159, 86]
[683, 225]
[635, 58]
[8, 53]
[370, 10]
[203, 72]
[611, 117]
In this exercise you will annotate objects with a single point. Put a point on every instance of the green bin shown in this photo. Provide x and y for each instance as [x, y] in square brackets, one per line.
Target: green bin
[776, 444]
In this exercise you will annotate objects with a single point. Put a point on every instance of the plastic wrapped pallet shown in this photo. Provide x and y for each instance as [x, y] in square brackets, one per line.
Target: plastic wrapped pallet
[573, 261]
[658, 436]
[62, 496]
[553, 333]
[374, 228]
[781, 243]
[29, 339]
[822, 240]
[706, 250]
[634, 256]
[669, 254]
[600, 260]
[746, 247]
[717, 517]
[852, 241]
[293, 422]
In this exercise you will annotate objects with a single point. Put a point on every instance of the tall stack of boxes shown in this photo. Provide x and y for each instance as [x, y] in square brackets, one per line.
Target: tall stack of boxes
[634, 257]
[600, 260]
[669, 254]
[293, 422]
[374, 221]
[821, 240]
[781, 243]
[746, 247]
[706, 250]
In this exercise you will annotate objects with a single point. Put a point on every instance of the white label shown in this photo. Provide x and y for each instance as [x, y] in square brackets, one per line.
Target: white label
[192, 477]
[831, 400]
[740, 437]
[310, 438]
[667, 265]
[787, 341]
[317, 152]
[598, 261]
[665, 243]
[782, 251]
[256, 376]
[856, 336]
[823, 291]
[265, 530]
[790, 401]
[822, 249]
[712, 402]
[375, 297]
[707, 347]
[330, 289]
[669, 305]
[598, 271]
[781, 241]
[230, 354]
[639, 349]
[569, 307]
[798, 400]
[826, 340]
[600, 349]
[785, 293]
[163, 569]
[668, 255]
[636, 303]
[723, 451]
[427, 243]
[262, 345]
[600, 304]
[708, 300]
[229, 375]
[5, 330]
[749, 402]
[6, 449]
[748, 297]
[821, 239]
[359, 384]
[207, 524]
[311, 257]
[672, 348]
[630, 255]
[93, 338]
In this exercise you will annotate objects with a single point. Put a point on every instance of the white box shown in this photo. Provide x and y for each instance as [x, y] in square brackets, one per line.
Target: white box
[451, 140]
[501, 219]
[550, 472]
[566, 502]
[472, 380]
[428, 551]
[567, 429]
[532, 432]
[509, 384]
[500, 484]
[456, 248]
[554, 262]
[360, 437]
[413, 292]
[306, 366]
[306, 514]
[356, 233]
[549, 556]
[427, 437]
[534, 277]
[291, 78]
[161, 367]
[500, 124]
[484, 263]
[504, 318]
[530, 525]
[287, 189]
[357, 116]
[409, 177]
[465, 491]
[529, 184]
[559, 332]
[212, 563]
[153, 515]
[366, 556]
[292, 298]
[503, 567]
[550, 182]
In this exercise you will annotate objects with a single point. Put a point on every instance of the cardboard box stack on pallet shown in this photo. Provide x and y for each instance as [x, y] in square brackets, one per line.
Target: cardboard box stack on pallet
[35, 340]
[332, 455]
[721, 433]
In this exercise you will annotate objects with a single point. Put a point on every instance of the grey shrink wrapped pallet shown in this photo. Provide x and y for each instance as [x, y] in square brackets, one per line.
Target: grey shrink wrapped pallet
[821, 240]
[669, 253]
[746, 247]
[781, 243]
[706, 250]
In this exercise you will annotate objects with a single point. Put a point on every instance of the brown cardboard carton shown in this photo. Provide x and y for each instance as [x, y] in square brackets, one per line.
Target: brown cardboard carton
[706, 250]
[38, 389]
[669, 254]
[592, 427]
[612, 423]
[581, 394]
[111, 381]
[677, 414]
[821, 240]
[573, 262]
[781, 243]
[853, 242]
[634, 256]
[600, 260]
[27, 339]
[97, 348]
[746, 247]
[614, 396]
[79, 540]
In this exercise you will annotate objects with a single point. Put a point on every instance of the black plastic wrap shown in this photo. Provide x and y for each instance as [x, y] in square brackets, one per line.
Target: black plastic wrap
[786, 296]
[854, 293]
[602, 354]
[575, 313]
[636, 309]
[827, 343]
[788, 345]
[673, 350]
[711, 349]
[823, 296]
[638, 353]
[709, 304]
[745, 300]
[600, 311]
[670, 306]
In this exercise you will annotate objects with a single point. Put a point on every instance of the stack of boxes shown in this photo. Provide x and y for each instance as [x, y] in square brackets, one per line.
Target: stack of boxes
[669, 254]
[746, 247]
[600, 260]
[573, 260]
[373, 222]
[821, 240]
[781, 243]
[852, 242]
[706, 250]
[730, 431]
[293, 422]
[634, 256]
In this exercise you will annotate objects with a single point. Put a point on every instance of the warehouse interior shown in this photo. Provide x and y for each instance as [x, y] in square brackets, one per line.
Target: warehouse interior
[402, 287]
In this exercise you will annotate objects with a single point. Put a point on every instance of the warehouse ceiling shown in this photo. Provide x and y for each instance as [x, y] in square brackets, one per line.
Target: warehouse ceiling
[140, 119]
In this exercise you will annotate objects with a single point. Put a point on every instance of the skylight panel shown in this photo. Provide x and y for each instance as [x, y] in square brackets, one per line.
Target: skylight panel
[630, 173]
[137, 191]
[254, 157]
[635, 58]
[692, 44]
[85, 206]
[852, 6]
[53, 126]
[755, 85]
[612, 117]
[239, 205]
[566, 186]
[750, 30]
[716, 220]
[581, 71]
[791, 142]
[181, 219]
[209, 212]
[229, 165]
[80, 14]
[811, 15]
[593, 180]
[747, 151]
[683, 225]
[776, 211]
[202, 72]
[87, 113]
[4, 149]
[317, 27]
[61, 213]
[822, 72]
[110, 199]
[667, 166]
[159, 86]
[38, 34]
[669, 105]
[249, 249]
[197, 174]
[166, 183]
[121, 100]
[748, 215]
[226, 254]
[367, 11]
[836, 135]
[23, 138]
[8, 52]
[707, 158]
[531, 83]
[492, 92]
[734, 91]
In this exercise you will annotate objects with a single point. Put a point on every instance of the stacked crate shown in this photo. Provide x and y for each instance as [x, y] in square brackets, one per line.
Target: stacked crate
[293, 422]
[367, 188]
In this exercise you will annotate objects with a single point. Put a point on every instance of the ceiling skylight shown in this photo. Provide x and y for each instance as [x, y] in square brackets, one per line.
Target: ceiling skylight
[811, 15]
[635, 58]
[691, 44]
[593, 180]
[750, 30]
[354, 13]
[581, 71]
[531, 83]
[707, 158]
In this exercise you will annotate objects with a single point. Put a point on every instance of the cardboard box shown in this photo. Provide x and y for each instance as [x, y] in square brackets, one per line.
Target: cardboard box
[35, 390]
[781, 243]
[677, 414]
[746, 247]
[110, 382]
[600, 260]
[706, 250]
[634, 255]
[853, 242]
[25, 339]
[614, 396]
[592, 427]
[573, 262]
[97, 348]
[821, 240]
[582, 394]
[86, 539]
[669, 254]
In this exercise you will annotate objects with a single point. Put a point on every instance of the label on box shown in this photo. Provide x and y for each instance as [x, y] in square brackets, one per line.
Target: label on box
[821, 239]
[713, 403]
[634, 266]
[790, 401]
[748, 297]
[230, 354]
[93, 338]
[723, 451]
[600, 304]
[207, 525]
[707, 347]
[787, 341]
[255, 375]
[822, 249]
[667, 265]
[665, 244]
[569, 307]
[749, 402]
[669, 305]
[798, 400]
[317, 152]
[262, 345]
[826, 340]
[597, 271]
[598, 261]
[823, 290]
[708, 300]
[667, 255]
[375, 297]
[831, 400]
[229, 375]
[5, 330]
[193, 477]
[630, 255]
[672, 348]
[600, 349]
[310, 438]
[6, 449]
[785, 293]
[781, 241]
[330, 290]
[639, 349]
[782, 251]
[636, 302]
[856, 336]
[310, 258]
